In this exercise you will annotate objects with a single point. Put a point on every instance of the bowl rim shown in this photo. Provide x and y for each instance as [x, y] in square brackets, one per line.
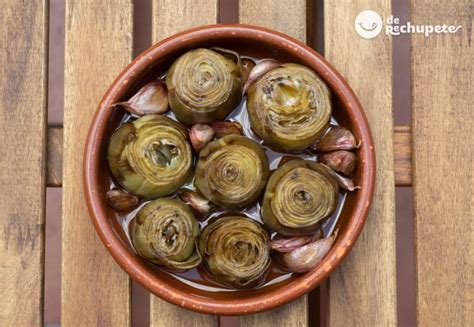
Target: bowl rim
[135, 268]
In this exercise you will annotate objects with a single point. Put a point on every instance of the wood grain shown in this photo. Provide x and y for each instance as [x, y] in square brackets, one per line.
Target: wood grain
[95, 290]
[363, 288]
[23, 83]
[170, 17]
[280, 15]
[443, 120]
[402, 155]
[54, 168]
[289, 19]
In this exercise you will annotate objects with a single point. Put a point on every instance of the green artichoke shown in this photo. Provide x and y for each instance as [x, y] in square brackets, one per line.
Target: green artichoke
[236, 251]
[289, 107]
[165, 232]
[232, 171]
[299, 196]
[204, 85]
[151, 156]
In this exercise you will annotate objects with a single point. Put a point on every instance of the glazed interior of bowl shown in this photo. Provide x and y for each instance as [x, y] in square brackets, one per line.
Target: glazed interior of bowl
[247, 41]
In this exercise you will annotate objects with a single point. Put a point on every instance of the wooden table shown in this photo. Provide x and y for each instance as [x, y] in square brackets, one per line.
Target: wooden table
[435, 156]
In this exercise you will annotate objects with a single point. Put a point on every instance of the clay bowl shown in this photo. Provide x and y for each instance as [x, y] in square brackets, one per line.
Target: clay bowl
[251, 41]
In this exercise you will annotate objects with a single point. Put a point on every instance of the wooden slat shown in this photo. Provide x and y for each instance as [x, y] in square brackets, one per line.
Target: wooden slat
[170, 17]
[363, 288]
[401, 148]
[290, 19]
[23, 59]
[95, 290]
[442, 107]
[402, 155]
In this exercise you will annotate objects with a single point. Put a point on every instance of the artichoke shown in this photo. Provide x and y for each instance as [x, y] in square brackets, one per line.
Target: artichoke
[232, 171]
[151, 156]
[299, 196]
[165, 232]
[204, 85]
[289, 107]
[236, 251]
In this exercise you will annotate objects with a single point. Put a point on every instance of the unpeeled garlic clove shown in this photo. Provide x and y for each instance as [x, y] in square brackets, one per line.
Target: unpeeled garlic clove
[151, 99]
[247, 66]
[200, 135]
[121, 200]
[341, 161]
[262, 67]
[306, 257]
[197, 202]
[337, 138]
[223, 128]
[344, 183]
[285, 245]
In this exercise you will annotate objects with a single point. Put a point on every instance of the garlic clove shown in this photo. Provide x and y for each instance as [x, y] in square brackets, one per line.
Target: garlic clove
[121, 200]
[341, 161]
[151, 99]
[344, 183]
[200, 135]
[306, 257]
[223, 128]
[337, 138]
[200, 205]
[285, 245]
[262, 67]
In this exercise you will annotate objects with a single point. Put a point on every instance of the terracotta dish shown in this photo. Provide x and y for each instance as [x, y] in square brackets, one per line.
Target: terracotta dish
[249, 41]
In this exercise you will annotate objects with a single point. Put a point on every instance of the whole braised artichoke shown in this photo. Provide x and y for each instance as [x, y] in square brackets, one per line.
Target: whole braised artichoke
[289, 107]
[299, 196]
[236, 251]
[150, 156]
[165, 232]
[232, 171]
[204, 85]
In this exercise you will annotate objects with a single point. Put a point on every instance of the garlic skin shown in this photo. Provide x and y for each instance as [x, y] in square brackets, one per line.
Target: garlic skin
[306, 257]
[151, 99]
[200, 135]
[285, 245]
[121, 200]
[344, 183]
[223, 128]
[341, 161]
[262, 67]
[247, 66]
[337, 138]
[197, 202]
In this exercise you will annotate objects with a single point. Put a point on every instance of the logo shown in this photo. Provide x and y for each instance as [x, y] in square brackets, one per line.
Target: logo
[368, 24]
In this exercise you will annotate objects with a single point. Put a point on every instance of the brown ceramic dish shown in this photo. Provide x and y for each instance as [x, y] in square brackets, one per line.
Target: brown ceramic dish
[250, 41]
